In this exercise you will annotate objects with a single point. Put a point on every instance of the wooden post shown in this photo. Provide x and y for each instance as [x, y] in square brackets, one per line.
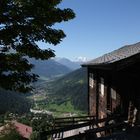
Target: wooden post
[97, 96]
[137, 122]
[131, 113]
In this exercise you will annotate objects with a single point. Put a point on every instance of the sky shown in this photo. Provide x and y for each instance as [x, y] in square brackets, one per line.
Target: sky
[100, 26]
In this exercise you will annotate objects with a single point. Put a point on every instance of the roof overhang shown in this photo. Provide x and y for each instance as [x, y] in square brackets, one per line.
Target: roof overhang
[98, 66]
[117, 65]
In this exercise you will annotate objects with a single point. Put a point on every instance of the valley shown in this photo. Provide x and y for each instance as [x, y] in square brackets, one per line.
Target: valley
[64, 96]
[60, 90]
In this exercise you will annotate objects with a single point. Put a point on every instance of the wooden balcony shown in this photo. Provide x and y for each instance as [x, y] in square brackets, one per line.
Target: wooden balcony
[86, 128]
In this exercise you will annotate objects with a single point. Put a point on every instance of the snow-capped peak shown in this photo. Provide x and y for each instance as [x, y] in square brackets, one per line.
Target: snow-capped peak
[81, 59]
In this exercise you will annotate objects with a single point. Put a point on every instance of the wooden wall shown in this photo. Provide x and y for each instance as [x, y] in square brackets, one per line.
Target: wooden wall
[100, 88]
[92, 94]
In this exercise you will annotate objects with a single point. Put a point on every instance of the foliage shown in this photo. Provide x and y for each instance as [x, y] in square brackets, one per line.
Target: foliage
[25, 119]
[22, 25]
[10, 133]
[35, 136]
[13, 135]
[63, 108]
[42, 122]
[71, 87]
[1, 120]
[13, 102]
[39, 121]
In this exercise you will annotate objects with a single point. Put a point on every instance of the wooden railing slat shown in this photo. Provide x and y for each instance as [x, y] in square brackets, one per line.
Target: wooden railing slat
[75, 125]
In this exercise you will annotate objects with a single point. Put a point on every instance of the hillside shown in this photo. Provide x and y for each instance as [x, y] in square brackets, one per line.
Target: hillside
[70, 89]
[49, 68]
[13, 102]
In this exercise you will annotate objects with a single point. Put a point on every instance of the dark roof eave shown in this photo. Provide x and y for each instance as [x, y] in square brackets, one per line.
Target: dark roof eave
[115, 65]
[115, 56]
[98, 66]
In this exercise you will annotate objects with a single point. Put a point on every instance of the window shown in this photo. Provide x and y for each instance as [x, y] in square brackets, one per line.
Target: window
[91, 80]
[102, 86]
[113, 94]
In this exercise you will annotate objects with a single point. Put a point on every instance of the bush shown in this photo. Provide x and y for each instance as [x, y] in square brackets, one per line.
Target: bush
[10, 133]
[35, 136]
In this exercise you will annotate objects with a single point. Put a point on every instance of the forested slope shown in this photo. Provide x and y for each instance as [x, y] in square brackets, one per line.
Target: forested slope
[13, 102]
[71, 87]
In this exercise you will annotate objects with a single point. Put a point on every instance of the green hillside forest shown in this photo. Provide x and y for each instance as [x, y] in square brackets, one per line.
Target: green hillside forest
[13, 102]
[67, 94]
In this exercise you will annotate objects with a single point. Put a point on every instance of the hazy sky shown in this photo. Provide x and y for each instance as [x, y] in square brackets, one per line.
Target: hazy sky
[100, 26]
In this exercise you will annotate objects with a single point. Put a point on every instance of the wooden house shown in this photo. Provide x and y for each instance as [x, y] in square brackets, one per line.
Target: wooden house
[114, 82]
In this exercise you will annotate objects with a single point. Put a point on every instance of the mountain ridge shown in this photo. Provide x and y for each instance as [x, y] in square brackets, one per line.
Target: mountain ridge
[67, 62]
[48, 68]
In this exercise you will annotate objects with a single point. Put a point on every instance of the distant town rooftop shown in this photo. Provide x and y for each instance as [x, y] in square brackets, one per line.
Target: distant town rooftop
[115, 56]
[24, 130]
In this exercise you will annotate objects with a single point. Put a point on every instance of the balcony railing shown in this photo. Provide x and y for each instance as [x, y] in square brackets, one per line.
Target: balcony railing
[86, 127]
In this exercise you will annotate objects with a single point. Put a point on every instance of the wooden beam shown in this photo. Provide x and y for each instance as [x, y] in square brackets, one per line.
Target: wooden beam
[105, 128]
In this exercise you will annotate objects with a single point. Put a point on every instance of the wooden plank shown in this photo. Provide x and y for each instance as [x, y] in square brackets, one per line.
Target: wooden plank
[79, 136]
[75, 126]
[108, 127]
[87, 133]
[67, 128]
[74, 117]
[64, 122]
[70, 121]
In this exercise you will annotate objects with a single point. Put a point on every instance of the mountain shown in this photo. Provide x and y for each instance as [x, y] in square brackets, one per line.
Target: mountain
[81, 59]
[48, 68]
[13, 102]
[70, 64]
[71, 87]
